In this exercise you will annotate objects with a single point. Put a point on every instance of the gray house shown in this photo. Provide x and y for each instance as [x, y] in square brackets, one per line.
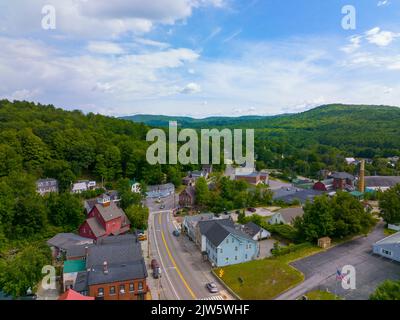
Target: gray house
[388, 247]
[45, 186]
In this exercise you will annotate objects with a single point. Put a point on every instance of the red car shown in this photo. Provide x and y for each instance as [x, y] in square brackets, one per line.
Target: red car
[252, 209]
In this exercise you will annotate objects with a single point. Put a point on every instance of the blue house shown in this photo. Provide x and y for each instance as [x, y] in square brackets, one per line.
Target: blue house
[226, 245]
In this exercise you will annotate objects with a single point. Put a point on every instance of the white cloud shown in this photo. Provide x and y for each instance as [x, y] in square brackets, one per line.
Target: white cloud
[151, 43]
[383, 3]
[100, 19]
[104, 47]
[232, 36]
[379, 37]
[191, 88]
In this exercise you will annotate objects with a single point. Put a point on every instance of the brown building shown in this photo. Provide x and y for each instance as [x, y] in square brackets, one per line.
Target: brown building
[187, 197]
[343, 181]
[115, 270]
[254, 178]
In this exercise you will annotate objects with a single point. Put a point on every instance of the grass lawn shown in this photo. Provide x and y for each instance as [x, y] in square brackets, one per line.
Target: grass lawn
[267, 278]
[322, 295]
[389, 232]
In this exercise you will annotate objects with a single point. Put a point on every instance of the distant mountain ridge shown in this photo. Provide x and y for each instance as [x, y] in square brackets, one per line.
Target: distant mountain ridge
[324, 114]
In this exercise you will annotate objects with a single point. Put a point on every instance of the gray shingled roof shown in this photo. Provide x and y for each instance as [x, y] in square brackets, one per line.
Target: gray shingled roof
[289, 214]
[124, 257]
[96, 227]
[382, 181]
[77, 250]
[66, 240]
[218, 233]
[342, 175]
[251, 228]
[205, 225]
[110, 212]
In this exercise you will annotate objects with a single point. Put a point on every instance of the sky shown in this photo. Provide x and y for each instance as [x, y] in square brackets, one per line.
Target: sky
[200, 57]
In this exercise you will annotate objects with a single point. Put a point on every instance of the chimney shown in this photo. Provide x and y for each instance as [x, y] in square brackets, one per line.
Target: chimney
[361, 182]
[105, 267]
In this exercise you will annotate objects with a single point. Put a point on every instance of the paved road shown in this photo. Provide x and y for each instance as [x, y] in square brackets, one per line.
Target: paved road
[320, 269]
[184, 275]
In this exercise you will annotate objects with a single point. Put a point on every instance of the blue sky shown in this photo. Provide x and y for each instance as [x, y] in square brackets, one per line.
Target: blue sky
[200, 57]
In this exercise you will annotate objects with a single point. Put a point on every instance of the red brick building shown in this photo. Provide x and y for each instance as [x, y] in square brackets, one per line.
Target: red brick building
[187, 197]
[105, 219]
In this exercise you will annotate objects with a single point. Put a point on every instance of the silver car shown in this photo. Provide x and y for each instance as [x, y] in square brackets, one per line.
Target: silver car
[212, 287]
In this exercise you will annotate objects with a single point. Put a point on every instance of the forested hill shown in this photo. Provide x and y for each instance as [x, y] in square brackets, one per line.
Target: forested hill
[188, 122]
[44, 141]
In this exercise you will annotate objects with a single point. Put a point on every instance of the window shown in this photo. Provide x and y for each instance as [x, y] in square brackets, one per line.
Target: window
[245, 256]
[235, 257]
[122, 288]
[388, 253]
[227, 240]
[112, 290]
[131, 287]
[100, 292]
[221, 251]
[236, 248]
[249, 246]
[140, 286]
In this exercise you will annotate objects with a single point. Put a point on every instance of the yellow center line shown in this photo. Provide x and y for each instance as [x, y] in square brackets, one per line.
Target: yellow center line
[173, 261]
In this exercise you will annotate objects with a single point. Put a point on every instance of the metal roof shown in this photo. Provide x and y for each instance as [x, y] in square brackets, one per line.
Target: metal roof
[71, 266]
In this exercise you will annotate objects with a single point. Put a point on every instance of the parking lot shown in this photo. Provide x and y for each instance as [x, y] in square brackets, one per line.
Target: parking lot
[371, 270]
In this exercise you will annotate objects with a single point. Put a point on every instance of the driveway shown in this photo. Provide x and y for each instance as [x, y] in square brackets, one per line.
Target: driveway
[371, 270]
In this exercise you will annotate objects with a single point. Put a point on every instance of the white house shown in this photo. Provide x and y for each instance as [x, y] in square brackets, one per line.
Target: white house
[82, 186]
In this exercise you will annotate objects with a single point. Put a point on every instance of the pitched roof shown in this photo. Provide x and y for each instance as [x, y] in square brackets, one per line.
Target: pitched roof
[251, 228]
[342, 175]
[109, 212]
[66, 240]
[289, 214]
[218, 233]
[96, 227]
[206, 225]
[382, 181]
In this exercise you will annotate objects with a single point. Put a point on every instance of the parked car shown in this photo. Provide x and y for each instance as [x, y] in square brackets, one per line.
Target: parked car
[212, 287]
[156, 269]
[252, 209]
[156, 273]
[176, 233]
[154, 264]
[142, 237]
[162, 207]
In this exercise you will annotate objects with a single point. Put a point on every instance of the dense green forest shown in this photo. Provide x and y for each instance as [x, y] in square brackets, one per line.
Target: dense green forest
[318, 139]
[38, 141]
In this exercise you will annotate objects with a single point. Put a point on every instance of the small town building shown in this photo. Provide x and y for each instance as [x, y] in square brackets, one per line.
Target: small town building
[382, 183]
[351, 161]
[45, 186]
[114, 270]
[61, 243]
[290, 194]
[343, 181]
[324, 242]
[255, 231]
[226, 246]
[83, 185]
[90, 203]
[203, 226]
[105, 219]
[324, 185]
[388, 247]
[189, 223]
[160, 191]
[187, 197]
[71, 269]
[254, 178]
[286, 216]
